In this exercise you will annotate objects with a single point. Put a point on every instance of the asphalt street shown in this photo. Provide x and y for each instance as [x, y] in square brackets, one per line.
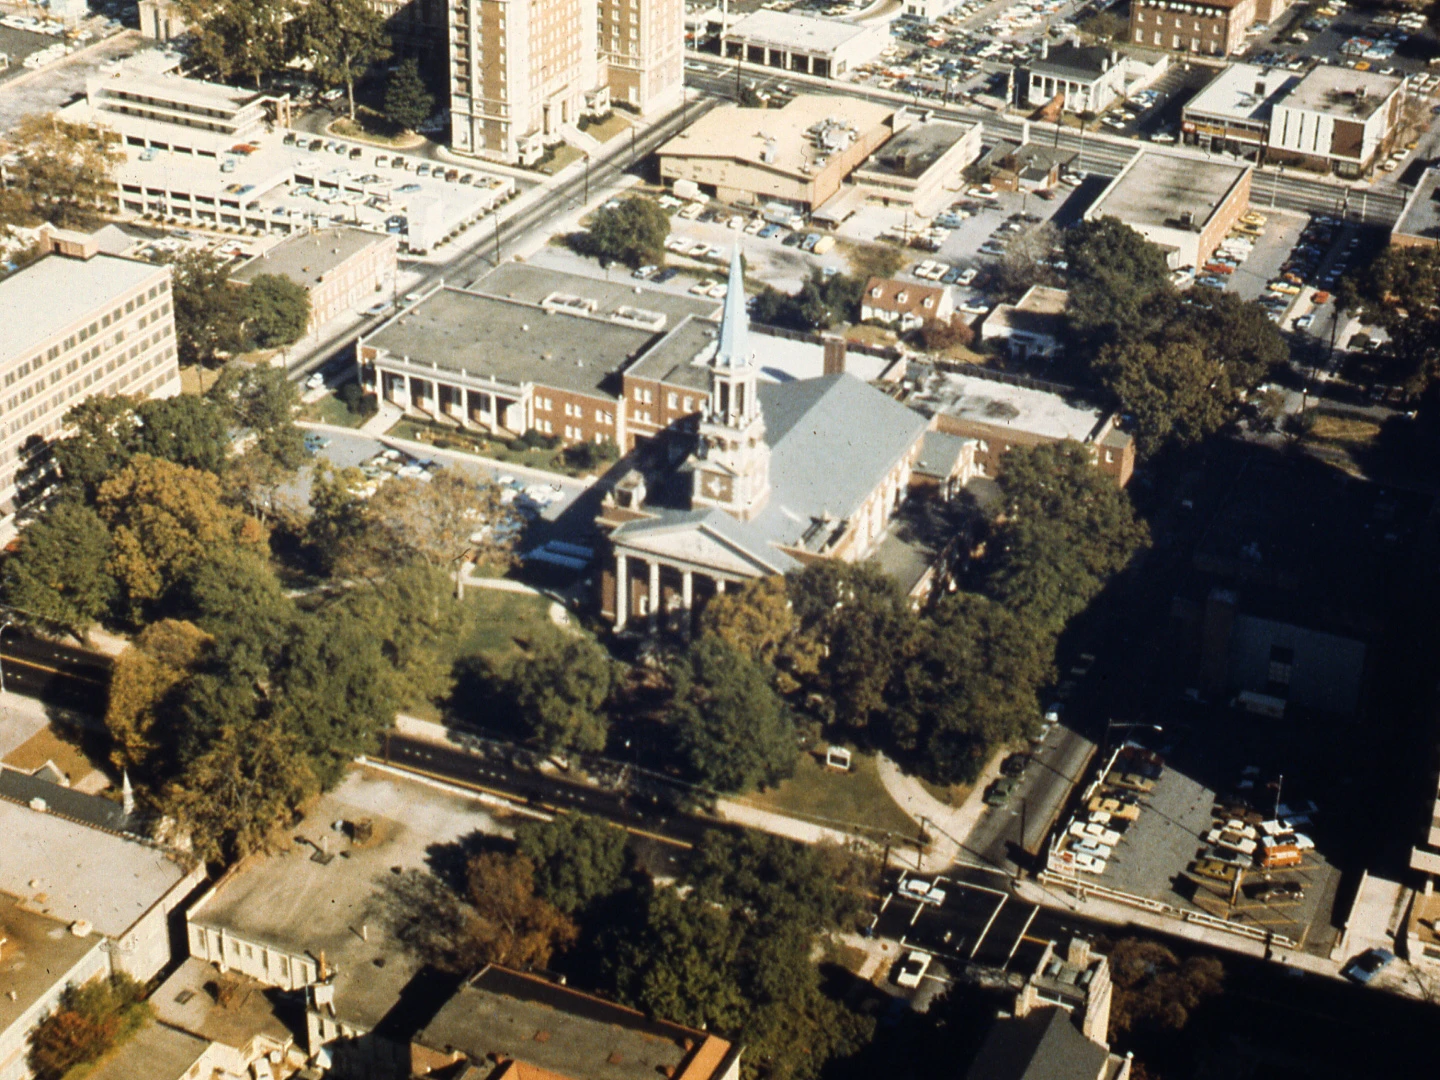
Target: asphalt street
[53, 673]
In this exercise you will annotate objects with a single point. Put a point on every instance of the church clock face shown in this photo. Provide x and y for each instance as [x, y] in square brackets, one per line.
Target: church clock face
[716, 487]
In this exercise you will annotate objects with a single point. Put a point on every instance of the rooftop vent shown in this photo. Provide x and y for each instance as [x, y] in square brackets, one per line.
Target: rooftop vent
[81, 928]
[542, 1036]
[615, 1058]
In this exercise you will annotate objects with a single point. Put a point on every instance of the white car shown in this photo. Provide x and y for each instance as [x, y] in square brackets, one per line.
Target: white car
[924, 891]
[967, 277]
[315, 382]
[1089, 863]
[913, 969]
[1091, 846]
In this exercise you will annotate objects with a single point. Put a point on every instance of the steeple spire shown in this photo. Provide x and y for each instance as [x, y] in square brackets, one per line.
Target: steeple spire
[734, 350]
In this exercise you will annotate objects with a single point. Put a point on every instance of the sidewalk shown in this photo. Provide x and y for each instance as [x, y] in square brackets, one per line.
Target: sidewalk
[1093, 907]
[949, 825]
[783, 825]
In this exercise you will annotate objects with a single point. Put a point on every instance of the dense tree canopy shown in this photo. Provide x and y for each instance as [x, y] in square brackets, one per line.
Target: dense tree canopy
[733, 730]
[821, 302]
[560, 691]
[207, 308]
[577, 859]
[60, 172]
[1067, 528]
[274, 311]
[969, 685]
[1114, 277]
[90, 1019]
[239, 39]
[758, 620]
[60, 572]
[341, 39]
[632, 233]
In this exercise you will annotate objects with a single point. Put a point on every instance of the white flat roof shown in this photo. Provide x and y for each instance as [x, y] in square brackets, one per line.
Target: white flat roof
[47, 296]
[1243, 92]
[1000, 404]
[806, 33]
[69, 871]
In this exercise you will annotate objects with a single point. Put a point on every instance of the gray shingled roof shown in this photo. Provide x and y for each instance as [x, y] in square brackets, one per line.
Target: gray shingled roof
[831, 440]
[1046, 1045]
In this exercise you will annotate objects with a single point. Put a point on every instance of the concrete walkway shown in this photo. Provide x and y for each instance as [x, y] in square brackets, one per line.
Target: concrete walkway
[782, 824]
[950, 826]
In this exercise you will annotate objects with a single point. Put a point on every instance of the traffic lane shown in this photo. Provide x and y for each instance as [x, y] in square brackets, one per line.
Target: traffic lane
[646, 815]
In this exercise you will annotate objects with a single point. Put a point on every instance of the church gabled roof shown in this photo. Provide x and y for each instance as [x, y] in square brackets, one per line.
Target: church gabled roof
[734, 348]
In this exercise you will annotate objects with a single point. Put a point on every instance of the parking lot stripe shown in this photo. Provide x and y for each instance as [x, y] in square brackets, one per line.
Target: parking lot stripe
[989, 923]
[1021, 936]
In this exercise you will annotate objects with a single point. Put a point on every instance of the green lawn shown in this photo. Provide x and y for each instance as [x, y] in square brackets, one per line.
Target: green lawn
[446, 438]
[331, 410]
[556, 158]
[607, 129]
[855, 798]
[501, 623]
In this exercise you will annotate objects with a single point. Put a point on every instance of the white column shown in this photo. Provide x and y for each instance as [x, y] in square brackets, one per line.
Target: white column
[687, 599]
[622, 590]
[654, 593]
[719, 586]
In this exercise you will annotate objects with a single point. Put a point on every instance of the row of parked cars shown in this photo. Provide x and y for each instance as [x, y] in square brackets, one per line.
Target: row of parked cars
[1091, 837]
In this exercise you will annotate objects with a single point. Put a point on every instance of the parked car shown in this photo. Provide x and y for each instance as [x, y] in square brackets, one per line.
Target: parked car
[315, 381]
[667, 274]
[1000, 791]
[1090, 863]
[922, 890]
[912, 969]
[1367, 965]
[1015, 765]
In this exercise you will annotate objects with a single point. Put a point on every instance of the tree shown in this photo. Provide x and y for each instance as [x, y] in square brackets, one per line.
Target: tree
[185, 429]
[274, 311]
[1155, 990]
[677, 960]
[207, 308]
[239, 38]
[408, 102]
[821, 302]
[61, 172]
[335, 693]
[969, 686]
[412, 616]
[1066, 529]
[757, 620]
[163, 520]
[862, 623]
[104, 435]
[559, 692]
[341, 39]
[90, 1019]
[941, 335]
[142, 684]
[235, 597]
[1026, 262]
[263, 400]
[60, 571]
[442, 522]
[732, 728]
[632, 233]
[231, 797]
[511, 925]
[1114, 276]
[1188, 376]
[1400, 291]
[577, 859]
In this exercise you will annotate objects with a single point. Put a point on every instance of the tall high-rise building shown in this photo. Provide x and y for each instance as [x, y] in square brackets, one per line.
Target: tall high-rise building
[521, 70]
[642, 46]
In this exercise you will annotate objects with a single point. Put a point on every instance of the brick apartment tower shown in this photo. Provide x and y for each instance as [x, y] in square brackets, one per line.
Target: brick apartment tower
[522, 70]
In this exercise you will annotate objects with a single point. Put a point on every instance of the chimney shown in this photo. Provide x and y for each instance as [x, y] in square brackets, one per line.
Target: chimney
[834, 347]
[1077, 953]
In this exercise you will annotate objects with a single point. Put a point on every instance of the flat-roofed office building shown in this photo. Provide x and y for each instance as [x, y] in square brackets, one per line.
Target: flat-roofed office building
[75, 324]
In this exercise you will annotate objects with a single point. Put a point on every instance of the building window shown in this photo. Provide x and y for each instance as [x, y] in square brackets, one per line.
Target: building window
[673, 401]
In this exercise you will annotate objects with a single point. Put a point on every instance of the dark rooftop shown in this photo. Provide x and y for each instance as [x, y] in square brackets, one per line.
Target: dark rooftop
[1084, 62]
[1045, 1045]
[504, 1014]
[92, 810]
[916, 148]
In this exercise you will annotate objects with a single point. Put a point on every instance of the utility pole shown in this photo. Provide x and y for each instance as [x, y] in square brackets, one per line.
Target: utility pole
[586, 200]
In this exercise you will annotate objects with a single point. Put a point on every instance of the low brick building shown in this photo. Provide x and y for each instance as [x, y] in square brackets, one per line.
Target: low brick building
[342, 269]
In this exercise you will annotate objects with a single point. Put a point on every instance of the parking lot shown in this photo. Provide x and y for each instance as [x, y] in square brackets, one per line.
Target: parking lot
[1193, 829]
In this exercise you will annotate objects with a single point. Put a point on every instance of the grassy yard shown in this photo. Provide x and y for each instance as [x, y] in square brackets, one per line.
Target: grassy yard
[556, 158]
[369, 126]
[855, 798]
[501, 624]
[331, 410]
[1343, 432]
[954, 795]
[606, 129]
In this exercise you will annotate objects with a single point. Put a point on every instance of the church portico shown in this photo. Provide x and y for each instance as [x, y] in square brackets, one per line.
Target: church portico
[657, 594]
